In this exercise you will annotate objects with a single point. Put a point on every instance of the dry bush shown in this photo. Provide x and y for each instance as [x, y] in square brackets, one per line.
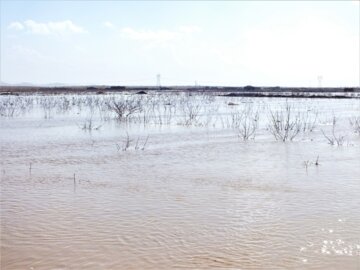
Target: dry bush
[285, 124]
[125, 108]
[245, 123]
[333, 138]
[355, 124]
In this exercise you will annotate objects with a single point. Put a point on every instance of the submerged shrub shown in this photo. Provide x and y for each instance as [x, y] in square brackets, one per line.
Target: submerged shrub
[125, 108]
[333, 138]
[285, 124]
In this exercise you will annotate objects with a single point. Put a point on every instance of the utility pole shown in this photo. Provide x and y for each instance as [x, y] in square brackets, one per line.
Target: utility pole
[158, 83]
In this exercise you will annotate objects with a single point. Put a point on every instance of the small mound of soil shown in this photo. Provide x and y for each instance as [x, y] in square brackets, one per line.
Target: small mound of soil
[141, 93]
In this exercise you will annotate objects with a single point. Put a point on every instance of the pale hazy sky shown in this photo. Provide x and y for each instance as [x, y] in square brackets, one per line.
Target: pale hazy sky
[284, 43]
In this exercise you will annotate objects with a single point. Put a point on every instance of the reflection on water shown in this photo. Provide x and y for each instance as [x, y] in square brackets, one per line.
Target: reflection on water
[195, 197]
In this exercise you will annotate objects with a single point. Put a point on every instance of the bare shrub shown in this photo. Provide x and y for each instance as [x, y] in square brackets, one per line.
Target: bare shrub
[355, 124]
[333, 138]
[285, 124]
[125, 108]
[127, 143]
[191, 113]
[245, 123]
[12, 107]
[8, 108]
[308, 163]
[309, 120]
[48, 104]
[88, 125]
[139, 145]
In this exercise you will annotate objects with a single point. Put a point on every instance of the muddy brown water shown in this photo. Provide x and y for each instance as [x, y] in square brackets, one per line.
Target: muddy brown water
[194, 198]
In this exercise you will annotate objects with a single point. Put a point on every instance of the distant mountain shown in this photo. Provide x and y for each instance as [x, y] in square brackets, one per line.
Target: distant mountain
[23, 84]
[28, 84]
[56, 84]
[16, 84]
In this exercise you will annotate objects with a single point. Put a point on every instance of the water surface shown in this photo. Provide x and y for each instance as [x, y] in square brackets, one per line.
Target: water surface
[196, 197]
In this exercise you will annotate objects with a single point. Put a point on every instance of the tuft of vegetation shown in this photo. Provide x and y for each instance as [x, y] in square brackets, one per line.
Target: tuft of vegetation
[127, 142]
[333, 138]
[355, 124]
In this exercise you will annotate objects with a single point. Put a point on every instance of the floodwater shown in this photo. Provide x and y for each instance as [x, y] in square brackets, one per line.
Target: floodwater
[182, 195]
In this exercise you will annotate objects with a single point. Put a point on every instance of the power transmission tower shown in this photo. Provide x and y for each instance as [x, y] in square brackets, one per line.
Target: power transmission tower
[158, 83]
[319, 80]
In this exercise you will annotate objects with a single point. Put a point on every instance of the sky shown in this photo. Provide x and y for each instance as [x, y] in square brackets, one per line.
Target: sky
[224, 43]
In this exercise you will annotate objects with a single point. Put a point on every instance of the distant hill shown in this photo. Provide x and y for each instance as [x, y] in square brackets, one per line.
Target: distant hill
[16, 84]
[28, 84]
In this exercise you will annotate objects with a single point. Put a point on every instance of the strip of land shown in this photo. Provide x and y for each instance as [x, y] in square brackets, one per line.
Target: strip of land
[245, 91]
